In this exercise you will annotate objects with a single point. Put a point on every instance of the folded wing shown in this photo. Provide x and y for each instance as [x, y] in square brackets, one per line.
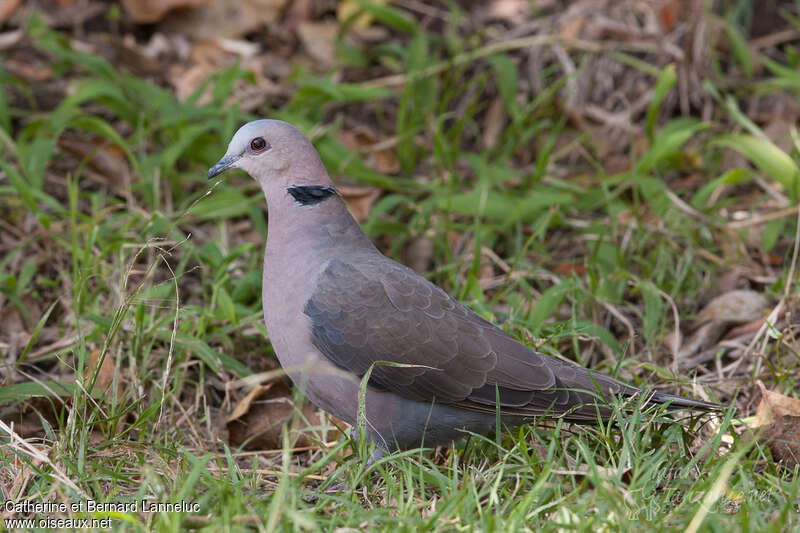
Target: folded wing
[373, 309]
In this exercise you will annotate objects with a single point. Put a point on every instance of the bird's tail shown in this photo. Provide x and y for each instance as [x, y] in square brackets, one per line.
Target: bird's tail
[679, 402]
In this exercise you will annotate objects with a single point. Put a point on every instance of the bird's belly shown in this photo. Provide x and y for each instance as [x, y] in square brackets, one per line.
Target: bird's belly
[285, 291]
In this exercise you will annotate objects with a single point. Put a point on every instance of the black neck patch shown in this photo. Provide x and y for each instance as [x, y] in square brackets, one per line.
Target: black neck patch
[310, 194]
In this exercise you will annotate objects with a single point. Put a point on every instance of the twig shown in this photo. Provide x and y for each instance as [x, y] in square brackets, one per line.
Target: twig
[676, 341]
[314, 447]
[773, 316]
[760, 219]
[268, 472]
[769, 41]
[24, 447]
[60, 344]
[170, 352]
[686, 208]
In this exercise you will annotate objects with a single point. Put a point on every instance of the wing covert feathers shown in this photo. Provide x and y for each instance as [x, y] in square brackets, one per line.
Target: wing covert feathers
[374, 309]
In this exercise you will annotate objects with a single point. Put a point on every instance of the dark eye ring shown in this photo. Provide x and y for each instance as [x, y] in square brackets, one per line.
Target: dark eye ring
[258, 144]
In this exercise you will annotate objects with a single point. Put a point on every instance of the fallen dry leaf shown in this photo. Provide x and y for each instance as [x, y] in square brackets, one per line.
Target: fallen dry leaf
[510, 11]
[221, 18]
[208, 57]
[359, 200]
[385, 161]
[733, 307]
[703, 338]
[298, 11]
[30, 417]
[318, 39]
[6, 8]
[718, 316]
[784, 440]
[244, 404]
[257, 420]
[14, 334]
[105, 374]
[28, 71]
[378, 153]
[149, 11]
[668, 14]
[750, 328]
[779, 416]
[493, 123]
[107, 160]
[568, 269]
[572, 28]
[774, 404]
[732, 279]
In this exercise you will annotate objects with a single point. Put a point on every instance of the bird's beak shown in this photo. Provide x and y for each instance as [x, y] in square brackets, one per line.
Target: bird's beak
[222, 165]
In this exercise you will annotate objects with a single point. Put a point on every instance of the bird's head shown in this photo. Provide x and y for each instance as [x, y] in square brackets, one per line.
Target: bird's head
[275, 153]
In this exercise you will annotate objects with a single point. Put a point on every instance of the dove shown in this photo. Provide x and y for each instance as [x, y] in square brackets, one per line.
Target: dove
[336, 308]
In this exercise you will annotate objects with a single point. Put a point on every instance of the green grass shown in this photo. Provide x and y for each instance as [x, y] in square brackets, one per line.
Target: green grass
[158, 278]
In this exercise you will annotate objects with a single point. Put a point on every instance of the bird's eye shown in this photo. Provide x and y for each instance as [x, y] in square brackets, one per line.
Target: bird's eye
[258, 144]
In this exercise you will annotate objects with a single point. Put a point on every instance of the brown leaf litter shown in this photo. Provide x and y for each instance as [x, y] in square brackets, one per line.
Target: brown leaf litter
[778, 418]
[734, 308]
[257, 421]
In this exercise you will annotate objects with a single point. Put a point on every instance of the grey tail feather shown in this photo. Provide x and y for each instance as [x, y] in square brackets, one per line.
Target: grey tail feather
[679, 402]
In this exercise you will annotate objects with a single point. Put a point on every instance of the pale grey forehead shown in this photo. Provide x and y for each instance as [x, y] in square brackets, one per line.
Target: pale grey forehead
[267, 128]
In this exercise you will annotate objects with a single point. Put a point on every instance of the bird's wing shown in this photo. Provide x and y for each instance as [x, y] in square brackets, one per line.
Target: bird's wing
[375, 309]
